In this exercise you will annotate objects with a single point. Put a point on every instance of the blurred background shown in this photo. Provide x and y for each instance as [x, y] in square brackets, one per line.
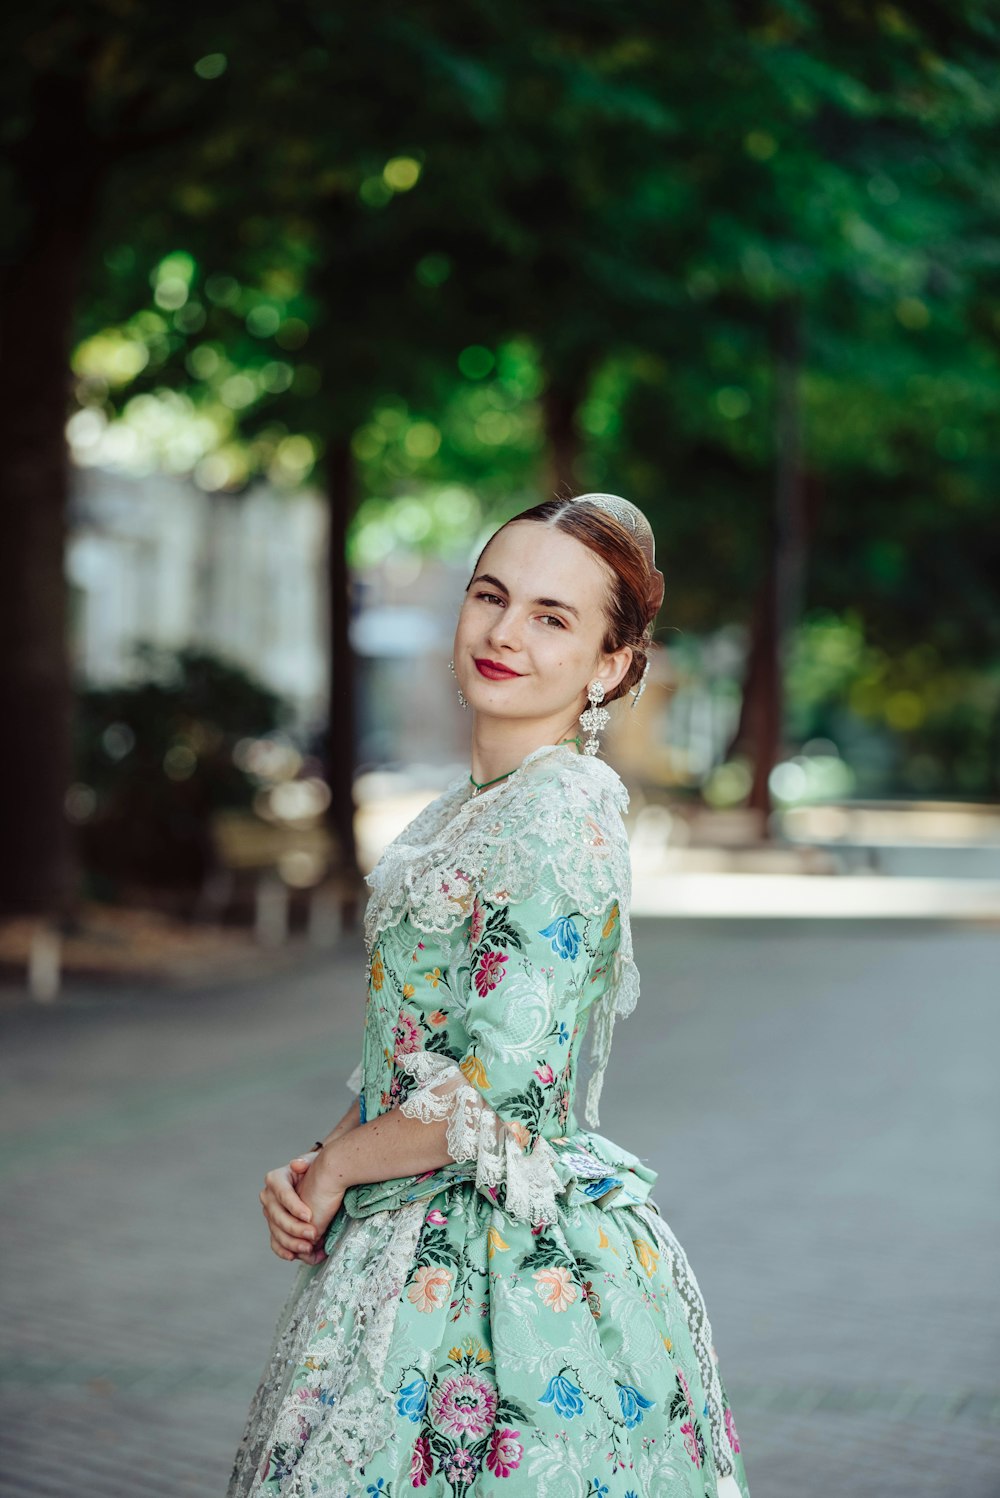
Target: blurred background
[298, 303]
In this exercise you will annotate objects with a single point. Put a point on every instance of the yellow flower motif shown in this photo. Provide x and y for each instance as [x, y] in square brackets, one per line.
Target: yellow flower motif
[668, 1344]
[408, 990]
[609, 924]
[648, 1257]
[433, 978]
[312, 1364]
[475, 1072]
[484, 1355]
[378, 971]
[455, 1354]
[604, 1242]
[495, 1243]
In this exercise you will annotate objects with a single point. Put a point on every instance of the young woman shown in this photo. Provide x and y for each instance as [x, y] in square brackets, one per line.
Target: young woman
[490, 1303]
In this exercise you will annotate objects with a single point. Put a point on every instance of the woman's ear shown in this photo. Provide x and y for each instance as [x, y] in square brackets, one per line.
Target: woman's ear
[613, 668]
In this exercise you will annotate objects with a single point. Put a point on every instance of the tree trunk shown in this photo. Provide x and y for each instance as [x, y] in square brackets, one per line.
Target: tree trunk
[779, 602]
[56, 171]
[560, 404]
[342, 730]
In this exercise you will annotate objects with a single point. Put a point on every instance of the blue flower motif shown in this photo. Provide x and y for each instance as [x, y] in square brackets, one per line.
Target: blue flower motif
[633, 1404]
[361, 1107]
[598, 1489]
[412, 1400]
[564, 936]
[564, 1395]
[563, 1033]
[375, 1489]
[631, 1493]
[599, 1188]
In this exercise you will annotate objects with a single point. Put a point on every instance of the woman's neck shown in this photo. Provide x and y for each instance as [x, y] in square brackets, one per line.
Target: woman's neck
[499, 745]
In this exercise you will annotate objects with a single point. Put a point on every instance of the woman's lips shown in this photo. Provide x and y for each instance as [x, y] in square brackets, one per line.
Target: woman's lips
[493, 671]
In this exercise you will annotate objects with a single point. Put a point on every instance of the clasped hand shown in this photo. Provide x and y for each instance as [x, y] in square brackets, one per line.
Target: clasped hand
[300, 1200]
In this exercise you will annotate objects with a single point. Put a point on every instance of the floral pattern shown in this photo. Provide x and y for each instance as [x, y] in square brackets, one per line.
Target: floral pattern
[454, 1341]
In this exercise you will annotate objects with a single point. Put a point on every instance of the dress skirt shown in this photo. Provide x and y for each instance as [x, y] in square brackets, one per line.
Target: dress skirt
[444, 1349]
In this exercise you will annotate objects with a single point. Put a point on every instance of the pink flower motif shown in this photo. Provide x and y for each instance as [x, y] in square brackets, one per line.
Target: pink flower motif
[465, 1406]
[691, 1442]
[420, 1463]
[505, 1452]
[435, 1218]
[489, 972]
[733, 1438]
[429, 1288]
[477, 922]
[407, 1033]
[461, 1467]
[557, 1287]
[686, 1387]
[545, 1075]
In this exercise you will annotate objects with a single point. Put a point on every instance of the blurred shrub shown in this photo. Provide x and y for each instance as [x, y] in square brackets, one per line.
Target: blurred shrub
[154, 759]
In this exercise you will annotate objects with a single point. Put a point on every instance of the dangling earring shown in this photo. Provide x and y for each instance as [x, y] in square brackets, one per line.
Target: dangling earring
[461, 694]
[595, 717]
[637, 691]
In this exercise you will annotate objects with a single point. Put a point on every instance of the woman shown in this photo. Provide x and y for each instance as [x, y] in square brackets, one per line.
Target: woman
[490, 1303]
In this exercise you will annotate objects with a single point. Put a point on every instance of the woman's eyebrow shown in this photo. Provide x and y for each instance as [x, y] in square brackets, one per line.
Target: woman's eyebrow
[546, 603]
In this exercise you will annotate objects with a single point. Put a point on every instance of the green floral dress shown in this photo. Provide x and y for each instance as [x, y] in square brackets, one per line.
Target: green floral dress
[523, 1321]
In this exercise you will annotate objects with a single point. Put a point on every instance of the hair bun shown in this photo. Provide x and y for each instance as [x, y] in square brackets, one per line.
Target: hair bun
[654, 598]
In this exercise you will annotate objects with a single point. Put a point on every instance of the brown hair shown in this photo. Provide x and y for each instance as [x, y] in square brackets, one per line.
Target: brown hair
[636, 587]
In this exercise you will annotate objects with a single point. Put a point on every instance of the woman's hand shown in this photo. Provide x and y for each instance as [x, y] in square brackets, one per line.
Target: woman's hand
[321, 1190]
[289, 1219]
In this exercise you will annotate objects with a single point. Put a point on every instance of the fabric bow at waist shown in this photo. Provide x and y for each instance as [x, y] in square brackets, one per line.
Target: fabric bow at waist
[589, 1169]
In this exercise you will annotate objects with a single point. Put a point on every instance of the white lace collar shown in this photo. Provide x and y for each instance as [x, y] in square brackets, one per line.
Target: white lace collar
[556, 819]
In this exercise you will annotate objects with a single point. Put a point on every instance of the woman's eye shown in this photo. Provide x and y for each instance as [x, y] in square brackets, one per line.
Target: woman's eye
[554, 619]
[490, 597]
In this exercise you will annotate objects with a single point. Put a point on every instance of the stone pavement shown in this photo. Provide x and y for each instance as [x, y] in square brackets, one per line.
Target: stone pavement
[821, 1103]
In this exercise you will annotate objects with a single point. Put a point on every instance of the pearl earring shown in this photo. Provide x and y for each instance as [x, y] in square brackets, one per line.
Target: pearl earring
[461, 694]
[595, 717]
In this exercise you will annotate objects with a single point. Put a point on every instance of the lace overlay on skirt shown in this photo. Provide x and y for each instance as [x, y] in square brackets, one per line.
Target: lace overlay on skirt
[355, 1297]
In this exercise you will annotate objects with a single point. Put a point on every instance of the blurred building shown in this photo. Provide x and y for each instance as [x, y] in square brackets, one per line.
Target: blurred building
[156, 560]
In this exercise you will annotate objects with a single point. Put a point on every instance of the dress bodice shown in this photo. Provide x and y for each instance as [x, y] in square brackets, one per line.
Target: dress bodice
[497, 936]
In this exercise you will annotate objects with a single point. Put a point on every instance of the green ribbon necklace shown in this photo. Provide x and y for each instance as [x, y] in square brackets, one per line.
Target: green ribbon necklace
[484, 785]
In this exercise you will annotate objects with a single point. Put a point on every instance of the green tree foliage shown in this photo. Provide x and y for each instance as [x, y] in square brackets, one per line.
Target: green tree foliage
[737, 261]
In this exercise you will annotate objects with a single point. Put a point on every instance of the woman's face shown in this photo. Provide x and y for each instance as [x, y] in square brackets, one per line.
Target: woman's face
[530, 632]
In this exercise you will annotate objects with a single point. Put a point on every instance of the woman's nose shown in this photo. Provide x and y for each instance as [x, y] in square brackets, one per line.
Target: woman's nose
[506, 630]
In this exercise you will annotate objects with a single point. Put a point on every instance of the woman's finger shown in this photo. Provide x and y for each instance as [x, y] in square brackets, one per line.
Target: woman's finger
[291, 1245]
[287, 1223]
[278, 1182]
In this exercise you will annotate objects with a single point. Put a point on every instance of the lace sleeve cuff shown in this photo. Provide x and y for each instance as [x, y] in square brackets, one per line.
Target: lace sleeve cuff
[355, 1079]
[523, 1185]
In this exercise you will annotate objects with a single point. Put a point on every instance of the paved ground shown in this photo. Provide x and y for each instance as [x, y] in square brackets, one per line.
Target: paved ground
[822, 1106]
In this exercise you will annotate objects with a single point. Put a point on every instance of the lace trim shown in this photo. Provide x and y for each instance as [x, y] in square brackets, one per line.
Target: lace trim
[476, 1132]
[556, 821]
[356, 1080]
[341, 1317]
[565, 802]
[698, 1326]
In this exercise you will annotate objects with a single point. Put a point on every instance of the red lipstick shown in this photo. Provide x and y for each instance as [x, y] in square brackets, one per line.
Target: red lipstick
[493, 671]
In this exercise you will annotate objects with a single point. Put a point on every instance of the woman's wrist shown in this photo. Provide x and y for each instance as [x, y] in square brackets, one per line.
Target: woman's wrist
[328, 1167]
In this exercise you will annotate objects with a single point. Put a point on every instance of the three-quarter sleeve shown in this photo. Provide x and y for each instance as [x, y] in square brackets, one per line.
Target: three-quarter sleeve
[533, 967]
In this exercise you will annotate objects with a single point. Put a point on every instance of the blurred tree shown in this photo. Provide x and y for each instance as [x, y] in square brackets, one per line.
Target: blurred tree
[714, 233]
[157, 757]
